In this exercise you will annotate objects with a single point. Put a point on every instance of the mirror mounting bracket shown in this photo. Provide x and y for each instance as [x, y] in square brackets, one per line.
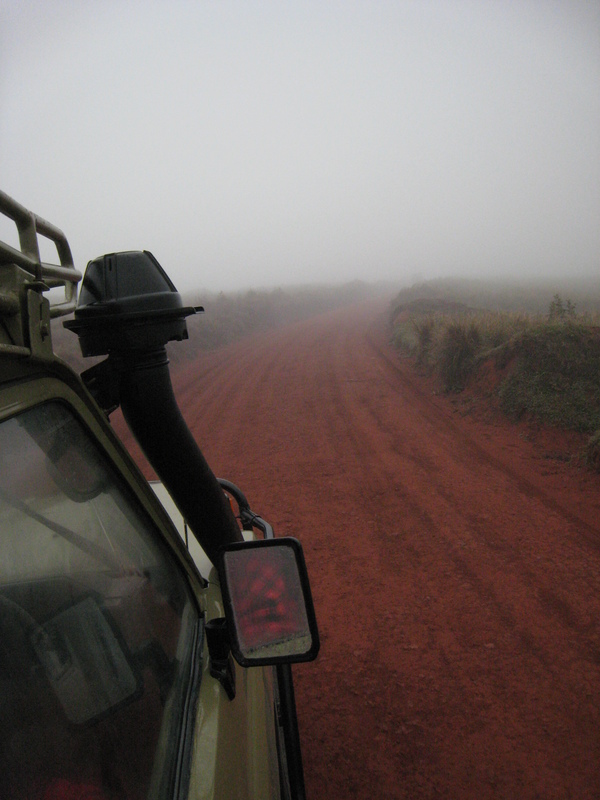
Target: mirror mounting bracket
[219, 651]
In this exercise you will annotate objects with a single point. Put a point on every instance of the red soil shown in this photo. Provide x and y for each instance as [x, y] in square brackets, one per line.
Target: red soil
[454, 559]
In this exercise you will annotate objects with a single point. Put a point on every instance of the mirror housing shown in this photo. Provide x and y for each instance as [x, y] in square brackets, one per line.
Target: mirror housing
[268, 602]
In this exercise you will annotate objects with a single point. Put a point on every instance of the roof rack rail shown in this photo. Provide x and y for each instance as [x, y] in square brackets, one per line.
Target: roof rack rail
[46, 276]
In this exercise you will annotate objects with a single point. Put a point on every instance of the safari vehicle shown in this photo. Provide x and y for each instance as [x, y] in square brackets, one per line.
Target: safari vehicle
[118, 620]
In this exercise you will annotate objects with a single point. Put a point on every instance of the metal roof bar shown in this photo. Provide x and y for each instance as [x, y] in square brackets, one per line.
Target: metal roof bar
[29, 226]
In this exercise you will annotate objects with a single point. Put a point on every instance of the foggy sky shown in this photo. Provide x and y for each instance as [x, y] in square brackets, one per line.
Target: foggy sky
[273, 143]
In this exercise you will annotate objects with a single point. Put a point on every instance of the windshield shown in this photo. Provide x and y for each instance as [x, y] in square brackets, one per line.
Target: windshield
[97, 624]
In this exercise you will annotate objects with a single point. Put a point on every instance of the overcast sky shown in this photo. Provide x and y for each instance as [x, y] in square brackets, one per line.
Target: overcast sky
[257, 143]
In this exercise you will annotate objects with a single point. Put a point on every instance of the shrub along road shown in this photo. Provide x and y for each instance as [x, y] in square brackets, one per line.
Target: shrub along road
[455, 567]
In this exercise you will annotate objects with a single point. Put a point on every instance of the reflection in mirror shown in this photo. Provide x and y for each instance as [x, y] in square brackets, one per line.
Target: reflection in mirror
[268, 602]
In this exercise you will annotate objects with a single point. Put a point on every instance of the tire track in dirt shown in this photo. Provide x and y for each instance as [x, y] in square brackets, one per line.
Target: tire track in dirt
[524, 641]
[556, 608]
[461, 563]
[472, 446]
[456, 575]
[574, 521]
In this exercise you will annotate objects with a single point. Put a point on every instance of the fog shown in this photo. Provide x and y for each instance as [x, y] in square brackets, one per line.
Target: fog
[260, 144]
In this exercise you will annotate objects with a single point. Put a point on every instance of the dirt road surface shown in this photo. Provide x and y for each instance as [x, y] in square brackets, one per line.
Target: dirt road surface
[455, 567]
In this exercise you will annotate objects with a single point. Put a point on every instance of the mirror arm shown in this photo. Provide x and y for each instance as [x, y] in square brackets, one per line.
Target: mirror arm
[219, 651]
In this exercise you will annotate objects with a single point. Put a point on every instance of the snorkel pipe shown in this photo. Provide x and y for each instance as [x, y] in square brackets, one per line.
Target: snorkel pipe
[129, 309]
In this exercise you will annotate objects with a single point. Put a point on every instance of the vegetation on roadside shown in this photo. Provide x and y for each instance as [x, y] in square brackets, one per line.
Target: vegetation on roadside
[546, 364]
[230, 317]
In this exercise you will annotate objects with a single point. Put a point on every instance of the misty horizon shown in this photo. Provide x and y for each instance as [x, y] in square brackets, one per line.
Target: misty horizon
[255, 146]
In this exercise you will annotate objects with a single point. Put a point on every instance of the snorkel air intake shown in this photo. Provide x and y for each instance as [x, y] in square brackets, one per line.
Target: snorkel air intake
[129, 309]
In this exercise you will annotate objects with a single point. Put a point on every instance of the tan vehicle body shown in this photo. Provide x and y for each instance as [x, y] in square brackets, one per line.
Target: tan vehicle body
[229, 748]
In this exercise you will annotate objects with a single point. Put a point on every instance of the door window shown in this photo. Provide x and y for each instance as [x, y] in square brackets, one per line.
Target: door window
[98, 628]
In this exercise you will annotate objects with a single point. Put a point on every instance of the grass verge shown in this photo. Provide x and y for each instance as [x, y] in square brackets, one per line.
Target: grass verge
[548, 364]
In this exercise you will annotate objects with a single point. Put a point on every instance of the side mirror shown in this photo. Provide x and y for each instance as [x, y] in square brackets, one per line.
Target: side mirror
[268, 602]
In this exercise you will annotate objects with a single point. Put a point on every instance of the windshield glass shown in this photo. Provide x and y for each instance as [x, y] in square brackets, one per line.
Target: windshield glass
[97, 624]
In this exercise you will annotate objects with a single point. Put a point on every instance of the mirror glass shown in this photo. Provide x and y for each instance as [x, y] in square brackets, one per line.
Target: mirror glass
[268, 602]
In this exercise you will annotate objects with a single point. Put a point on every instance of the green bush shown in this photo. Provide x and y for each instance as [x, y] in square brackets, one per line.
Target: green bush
[559, 311]
[424, 330]
[459, 346]
[549, 364]
[556, 377]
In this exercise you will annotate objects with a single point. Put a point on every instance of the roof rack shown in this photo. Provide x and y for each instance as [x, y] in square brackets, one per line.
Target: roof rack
[45, 276]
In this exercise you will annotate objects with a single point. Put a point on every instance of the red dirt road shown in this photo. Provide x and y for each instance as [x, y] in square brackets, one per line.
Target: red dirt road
[455, 568]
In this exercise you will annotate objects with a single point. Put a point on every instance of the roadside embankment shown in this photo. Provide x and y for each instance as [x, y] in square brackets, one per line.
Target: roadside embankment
[538, 367]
